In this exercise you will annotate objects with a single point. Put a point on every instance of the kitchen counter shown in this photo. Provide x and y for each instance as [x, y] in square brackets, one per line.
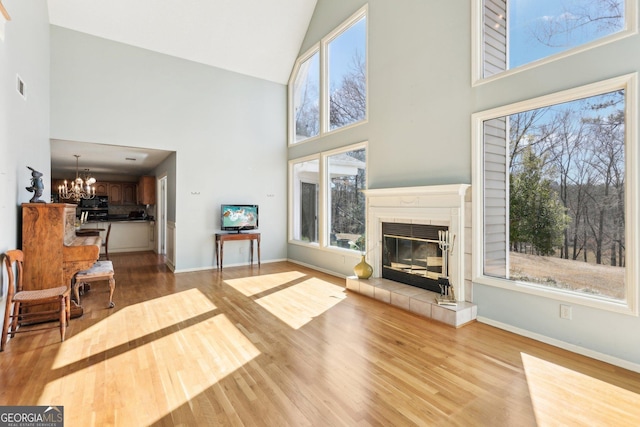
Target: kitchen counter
[125, 217]
[127, 234]
[120, 220]
[129, 220]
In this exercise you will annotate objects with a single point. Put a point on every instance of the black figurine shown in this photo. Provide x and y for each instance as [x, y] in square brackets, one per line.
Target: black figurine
[36, 186]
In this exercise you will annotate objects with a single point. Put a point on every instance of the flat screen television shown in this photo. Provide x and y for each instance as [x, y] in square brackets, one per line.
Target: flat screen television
[238, 217]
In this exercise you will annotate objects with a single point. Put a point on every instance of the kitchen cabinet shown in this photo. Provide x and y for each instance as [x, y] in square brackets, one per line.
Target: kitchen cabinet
[147, 190]
[115, 193]
[119, 193]
[129, 193]
[102, 188]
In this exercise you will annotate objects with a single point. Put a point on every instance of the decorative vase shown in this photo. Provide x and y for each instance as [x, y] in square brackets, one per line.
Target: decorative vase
[362, 269]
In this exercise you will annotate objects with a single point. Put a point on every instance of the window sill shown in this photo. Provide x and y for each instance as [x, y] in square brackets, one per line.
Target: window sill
[593, 301]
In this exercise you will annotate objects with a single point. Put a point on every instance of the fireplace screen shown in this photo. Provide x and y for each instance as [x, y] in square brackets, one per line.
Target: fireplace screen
[411, 255]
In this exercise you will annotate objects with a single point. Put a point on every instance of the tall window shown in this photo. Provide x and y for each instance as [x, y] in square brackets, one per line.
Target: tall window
[328, 86]
[329, 211]
[306, 99]
[347, 179]
[305, 181]
[555, 190]
[518, 32]
[348, 75]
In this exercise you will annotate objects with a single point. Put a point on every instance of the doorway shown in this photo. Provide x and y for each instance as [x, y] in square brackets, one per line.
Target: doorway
[161, 221]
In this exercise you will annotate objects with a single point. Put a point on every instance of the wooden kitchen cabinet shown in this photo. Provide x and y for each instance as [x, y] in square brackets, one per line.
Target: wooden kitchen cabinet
[102, 188]
[147, 190]
[129, 193]
[115, 193]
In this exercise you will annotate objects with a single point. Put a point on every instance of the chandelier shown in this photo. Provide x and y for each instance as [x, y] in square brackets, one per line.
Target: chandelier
[79, 188]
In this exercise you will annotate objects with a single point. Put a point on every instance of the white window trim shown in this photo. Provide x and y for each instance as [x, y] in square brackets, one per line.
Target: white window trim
[323, 217]
[477, 43]
[632, 196]
[291, 202]
[325, 189]
[296, 68]
[324, 84]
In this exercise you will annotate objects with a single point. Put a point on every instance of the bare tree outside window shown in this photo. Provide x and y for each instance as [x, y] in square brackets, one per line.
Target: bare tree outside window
[347, 179]
[535, 30]
[579, 20]
[306, 99]
[566, 195]
[348, 102]
[347, 76]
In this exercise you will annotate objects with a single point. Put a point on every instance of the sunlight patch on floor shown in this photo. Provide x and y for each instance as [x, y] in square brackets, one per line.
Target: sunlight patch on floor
[167, 371]
[561, 396]
[298, 304]
[131, 323]
[257, 284]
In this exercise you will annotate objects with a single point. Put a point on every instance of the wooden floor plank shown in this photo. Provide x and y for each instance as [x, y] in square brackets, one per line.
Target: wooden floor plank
[283, 345]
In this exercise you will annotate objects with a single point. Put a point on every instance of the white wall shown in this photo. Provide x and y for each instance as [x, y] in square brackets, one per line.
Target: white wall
[419, 100]
[228, 132]
[24, 124]
[420, 105]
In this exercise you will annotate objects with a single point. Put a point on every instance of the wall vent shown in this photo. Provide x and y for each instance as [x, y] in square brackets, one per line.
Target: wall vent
[21, 87]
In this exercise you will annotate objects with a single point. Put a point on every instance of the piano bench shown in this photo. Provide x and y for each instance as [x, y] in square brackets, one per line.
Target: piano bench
[100, 271]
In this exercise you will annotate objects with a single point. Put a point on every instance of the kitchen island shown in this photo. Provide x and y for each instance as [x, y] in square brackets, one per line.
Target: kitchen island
[127, 235]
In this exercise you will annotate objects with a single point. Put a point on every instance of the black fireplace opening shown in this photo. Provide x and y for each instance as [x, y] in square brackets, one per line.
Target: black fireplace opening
[411, 254]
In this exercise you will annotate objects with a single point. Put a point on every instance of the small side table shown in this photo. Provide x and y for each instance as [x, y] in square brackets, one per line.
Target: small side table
[223, 237]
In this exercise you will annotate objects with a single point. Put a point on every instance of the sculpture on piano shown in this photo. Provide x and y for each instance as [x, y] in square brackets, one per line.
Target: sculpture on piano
[36, 186]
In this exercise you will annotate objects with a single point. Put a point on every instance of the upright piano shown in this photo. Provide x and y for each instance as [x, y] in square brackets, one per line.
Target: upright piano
[53, 253]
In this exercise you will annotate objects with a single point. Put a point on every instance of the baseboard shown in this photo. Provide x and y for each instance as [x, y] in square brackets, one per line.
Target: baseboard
[214, 267]
[315, 267]
[563, 345]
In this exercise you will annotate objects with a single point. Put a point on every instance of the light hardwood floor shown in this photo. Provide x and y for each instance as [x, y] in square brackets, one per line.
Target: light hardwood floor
[283, 345]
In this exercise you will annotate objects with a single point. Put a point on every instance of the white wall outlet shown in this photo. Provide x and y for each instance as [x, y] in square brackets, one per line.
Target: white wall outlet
[565, 311]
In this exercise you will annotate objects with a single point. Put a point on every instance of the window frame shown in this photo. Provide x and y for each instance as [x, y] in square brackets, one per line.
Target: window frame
[322, 48]
[327, 184]
[628, 306]
[477, 43]
[290, 104]
[323, 200]
[292, 202]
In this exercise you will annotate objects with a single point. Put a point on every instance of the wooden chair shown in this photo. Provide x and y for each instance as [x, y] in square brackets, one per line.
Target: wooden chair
[105, 244]
[18, 299]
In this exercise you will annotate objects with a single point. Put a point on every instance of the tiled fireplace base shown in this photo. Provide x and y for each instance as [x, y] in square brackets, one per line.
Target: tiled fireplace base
[416, 300]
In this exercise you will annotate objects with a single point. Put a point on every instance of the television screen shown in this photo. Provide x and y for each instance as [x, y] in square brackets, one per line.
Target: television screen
[239, 217]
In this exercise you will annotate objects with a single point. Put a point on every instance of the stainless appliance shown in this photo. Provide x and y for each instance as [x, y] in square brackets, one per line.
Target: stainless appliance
[96, 202]
[97, 209]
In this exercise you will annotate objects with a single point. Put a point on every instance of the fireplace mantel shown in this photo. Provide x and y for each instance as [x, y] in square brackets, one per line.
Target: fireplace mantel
[432, 205]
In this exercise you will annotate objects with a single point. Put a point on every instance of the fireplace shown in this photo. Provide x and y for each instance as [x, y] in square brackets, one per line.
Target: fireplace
[408, 230]
[411, 254]
[423, 211]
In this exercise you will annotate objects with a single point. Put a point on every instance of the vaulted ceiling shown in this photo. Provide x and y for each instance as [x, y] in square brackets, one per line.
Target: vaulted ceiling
[259, 38]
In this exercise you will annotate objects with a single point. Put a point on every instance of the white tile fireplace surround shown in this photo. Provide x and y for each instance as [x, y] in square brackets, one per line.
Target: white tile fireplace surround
[441, 205]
